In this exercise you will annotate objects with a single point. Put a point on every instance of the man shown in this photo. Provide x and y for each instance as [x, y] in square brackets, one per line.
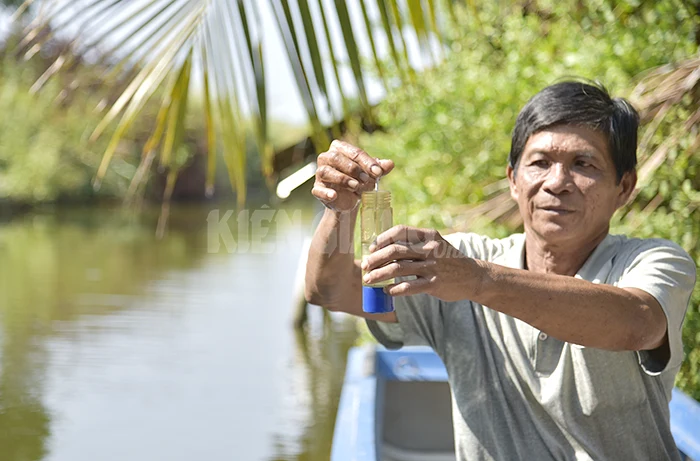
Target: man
[559, 343]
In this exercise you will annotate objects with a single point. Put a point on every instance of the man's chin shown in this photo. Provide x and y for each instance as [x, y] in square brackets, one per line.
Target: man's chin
[555, 232]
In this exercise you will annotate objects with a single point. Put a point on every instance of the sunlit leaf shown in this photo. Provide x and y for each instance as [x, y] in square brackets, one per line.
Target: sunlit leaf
[384, 12]
[334, 61]
[353, 54]
[253, 39]
[398, 21]
[312, 46]
[370, 35]
[211, 135]
[285, 23]
[432, 14]
[176, 113]
[415, 11]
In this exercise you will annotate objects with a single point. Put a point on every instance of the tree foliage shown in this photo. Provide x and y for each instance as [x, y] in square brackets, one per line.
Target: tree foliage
[44, 156]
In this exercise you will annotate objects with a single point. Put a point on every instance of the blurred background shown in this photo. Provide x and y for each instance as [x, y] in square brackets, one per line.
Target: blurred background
[156, 159]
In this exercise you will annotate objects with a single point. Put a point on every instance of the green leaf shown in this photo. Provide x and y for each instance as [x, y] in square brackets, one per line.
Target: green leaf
[396, 15]
[285, 23]
[211, 134]
[384, 13]
[334, 61]
[415, 10]
[312, 46]
[353, 54]
[145, 83]
[256, 63]
[176, 112]
[138, 93]
[432, 12]
[370, 34]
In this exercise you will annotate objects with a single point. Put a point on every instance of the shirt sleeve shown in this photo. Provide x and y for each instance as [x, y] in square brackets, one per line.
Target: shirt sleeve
[419, 323]
[420, 317]
[662, 269]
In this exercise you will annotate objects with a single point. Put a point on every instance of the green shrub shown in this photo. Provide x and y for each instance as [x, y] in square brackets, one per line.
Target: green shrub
[44, 150]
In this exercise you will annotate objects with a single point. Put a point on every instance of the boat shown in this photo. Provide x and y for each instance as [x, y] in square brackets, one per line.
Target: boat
[375, 423]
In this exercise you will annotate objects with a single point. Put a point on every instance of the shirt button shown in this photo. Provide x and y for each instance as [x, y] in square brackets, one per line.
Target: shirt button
[543, 336]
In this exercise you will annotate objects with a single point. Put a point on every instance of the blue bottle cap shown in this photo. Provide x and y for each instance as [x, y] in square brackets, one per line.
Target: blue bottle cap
[375, 301]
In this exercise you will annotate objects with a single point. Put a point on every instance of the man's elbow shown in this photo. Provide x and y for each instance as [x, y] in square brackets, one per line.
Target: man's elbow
[314, 295]
[651, 334]
[646, 327]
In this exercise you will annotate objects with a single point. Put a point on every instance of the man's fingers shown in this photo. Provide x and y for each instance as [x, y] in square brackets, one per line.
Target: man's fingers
[370, 165]
[323, 193]
[393, 252]
[395, 269]
[407, 288]
[335, 178]
[403, 233]
[343, 164]
[387, 165]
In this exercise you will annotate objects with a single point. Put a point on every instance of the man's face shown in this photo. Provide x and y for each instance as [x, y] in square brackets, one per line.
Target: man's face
[565, 185]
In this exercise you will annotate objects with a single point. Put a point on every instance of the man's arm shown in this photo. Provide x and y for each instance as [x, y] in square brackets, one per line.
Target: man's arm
[333, 276]
[567, 308]
[574, 310]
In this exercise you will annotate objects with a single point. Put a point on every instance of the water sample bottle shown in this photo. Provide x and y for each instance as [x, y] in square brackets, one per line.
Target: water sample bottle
[375, 218]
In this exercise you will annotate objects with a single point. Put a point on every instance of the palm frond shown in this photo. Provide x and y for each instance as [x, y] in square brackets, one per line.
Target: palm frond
[353, 53]
[370, 34]
[415, 11]
[657, 92]
[170, 51]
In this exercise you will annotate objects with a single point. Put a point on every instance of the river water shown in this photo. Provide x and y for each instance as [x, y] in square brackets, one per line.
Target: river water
[115, 345]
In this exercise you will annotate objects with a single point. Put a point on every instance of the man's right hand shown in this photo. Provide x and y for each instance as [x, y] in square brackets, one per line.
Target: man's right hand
[343, 173]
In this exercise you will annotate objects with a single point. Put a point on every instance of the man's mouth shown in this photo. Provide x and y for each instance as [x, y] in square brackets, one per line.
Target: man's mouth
[554, 209]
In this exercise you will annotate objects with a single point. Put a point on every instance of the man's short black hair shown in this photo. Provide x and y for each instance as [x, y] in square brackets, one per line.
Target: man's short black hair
[580, 103]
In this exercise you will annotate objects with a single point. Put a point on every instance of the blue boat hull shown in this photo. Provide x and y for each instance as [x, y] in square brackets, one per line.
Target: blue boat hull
[374, 422]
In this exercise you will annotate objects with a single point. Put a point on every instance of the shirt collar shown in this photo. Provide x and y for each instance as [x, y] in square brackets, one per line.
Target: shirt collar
[514, 256]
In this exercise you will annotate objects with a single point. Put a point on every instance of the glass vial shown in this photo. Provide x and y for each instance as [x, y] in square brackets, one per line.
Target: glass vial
[376, 216]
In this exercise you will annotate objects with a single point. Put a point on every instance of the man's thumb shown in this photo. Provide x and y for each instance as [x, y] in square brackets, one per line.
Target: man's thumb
[386, 164]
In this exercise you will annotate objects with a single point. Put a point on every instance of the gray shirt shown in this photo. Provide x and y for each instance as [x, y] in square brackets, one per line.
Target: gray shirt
[519, 394]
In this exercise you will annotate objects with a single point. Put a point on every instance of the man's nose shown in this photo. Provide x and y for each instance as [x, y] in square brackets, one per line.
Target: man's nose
[558, 179]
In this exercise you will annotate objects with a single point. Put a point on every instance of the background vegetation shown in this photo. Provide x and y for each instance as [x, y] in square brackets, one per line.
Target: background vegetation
[449, 133]
[44, 153]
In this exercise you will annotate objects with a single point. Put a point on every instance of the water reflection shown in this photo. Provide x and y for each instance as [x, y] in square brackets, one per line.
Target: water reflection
[318, 376]
[117, 346]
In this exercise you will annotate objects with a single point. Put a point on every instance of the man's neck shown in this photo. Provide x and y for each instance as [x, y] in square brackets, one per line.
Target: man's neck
[561, 259]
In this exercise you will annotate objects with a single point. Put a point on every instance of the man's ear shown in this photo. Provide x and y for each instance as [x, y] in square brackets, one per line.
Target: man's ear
[511, 182]
[627, 185]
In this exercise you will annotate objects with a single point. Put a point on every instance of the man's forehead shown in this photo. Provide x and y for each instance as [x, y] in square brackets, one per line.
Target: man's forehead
[567, 139]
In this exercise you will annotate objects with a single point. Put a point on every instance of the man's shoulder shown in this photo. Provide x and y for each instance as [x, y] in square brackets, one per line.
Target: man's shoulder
[627, 261]
[483, 247]
[627, 249]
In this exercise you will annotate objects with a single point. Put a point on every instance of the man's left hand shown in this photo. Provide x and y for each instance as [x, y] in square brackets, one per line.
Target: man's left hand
[440, 269]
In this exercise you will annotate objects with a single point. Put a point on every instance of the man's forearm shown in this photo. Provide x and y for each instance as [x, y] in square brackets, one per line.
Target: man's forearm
[330, 266]
[574, 310]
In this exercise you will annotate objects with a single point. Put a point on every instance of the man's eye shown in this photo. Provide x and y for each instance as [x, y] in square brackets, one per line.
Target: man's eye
[539, 163]
[584, 164]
